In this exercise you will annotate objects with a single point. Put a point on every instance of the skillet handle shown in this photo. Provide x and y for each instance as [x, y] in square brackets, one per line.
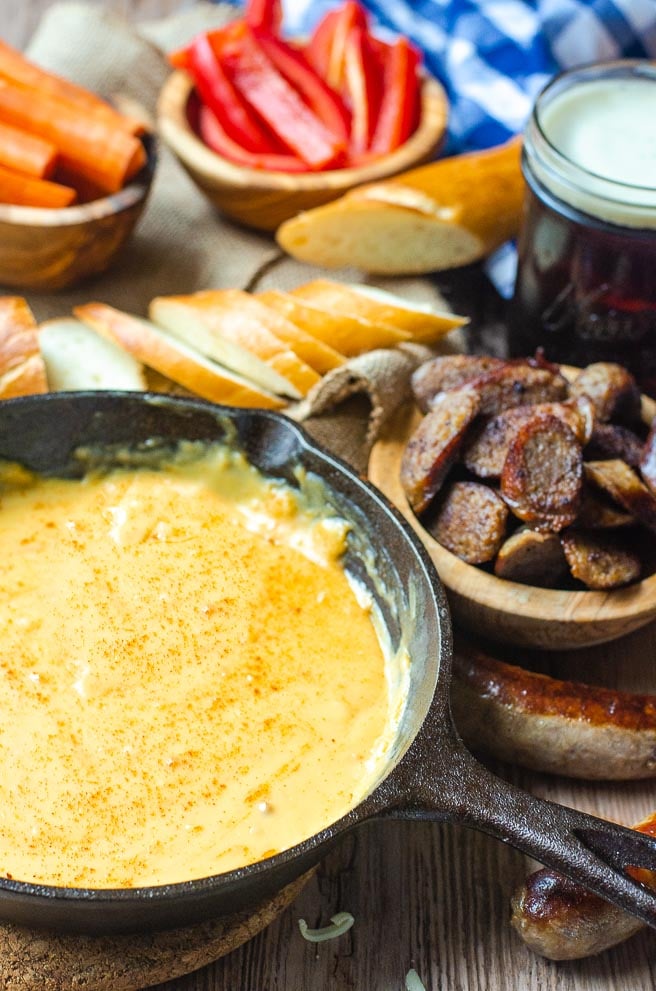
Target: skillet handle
[586, 849]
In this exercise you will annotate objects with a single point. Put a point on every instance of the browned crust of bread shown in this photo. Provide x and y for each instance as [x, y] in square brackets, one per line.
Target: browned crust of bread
[22, 370]
[172, 360]
[563, 921]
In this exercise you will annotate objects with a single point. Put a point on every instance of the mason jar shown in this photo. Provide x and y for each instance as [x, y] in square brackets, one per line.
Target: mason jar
[586, 281]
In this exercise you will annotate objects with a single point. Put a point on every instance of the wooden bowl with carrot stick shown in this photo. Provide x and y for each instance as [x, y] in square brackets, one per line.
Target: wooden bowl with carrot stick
[267, 126]
[74, 177]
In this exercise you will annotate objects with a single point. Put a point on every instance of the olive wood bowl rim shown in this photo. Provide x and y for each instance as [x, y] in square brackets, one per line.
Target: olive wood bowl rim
[179, 135]
[133, 193]
[505, 597]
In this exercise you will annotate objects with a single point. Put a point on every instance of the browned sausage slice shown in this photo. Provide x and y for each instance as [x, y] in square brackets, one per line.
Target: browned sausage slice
[563, 921]
[542, 474]
[448, 372]
[561, 727]
[435, 444]
[599, 561]
[470, 522]
[612, 389]
[518, 385]
[532, 558]
[622, 484]
[485, 453]
[597, 514]
[611, 440]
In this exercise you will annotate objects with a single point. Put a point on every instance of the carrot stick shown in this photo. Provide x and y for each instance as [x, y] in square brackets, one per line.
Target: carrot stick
[26, 153]
[22, 190]
[90, 147]
[16, 67]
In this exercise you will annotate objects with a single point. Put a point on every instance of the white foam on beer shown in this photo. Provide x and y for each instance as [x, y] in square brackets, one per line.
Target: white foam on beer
[606, 127]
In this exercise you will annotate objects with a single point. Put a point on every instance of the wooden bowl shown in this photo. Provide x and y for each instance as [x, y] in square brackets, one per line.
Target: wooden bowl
[263, 200]
[505, 611]
[57, 249]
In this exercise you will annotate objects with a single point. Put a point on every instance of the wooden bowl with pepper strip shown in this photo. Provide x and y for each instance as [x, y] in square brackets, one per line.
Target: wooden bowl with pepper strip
[270, 159]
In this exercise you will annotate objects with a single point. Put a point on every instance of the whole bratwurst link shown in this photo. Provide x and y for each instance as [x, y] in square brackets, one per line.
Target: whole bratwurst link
[563, 921]
[561, 727]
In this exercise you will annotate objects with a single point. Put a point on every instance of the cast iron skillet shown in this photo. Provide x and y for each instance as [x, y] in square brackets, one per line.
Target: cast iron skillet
[430, 774]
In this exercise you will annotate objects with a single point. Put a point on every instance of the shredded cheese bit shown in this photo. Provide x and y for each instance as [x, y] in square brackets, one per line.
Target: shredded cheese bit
[341, 923]
[413, 981]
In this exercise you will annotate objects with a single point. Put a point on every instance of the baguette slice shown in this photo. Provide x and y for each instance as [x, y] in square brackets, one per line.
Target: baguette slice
[439, 216]
[314, 351]
[223, 326]
[22, 371]
[421, 323]
[76, 358]
[346, 333]
[173, 359]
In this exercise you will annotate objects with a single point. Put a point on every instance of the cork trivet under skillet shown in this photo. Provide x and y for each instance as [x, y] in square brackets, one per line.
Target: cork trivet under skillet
[40, 961]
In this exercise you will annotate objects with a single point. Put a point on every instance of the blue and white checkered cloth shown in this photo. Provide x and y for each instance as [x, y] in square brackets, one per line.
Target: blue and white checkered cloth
[494, 56]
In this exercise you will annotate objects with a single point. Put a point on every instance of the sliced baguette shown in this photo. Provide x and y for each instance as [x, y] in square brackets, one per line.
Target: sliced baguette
[173, 359]
[22, 371]
[378, 307]
[346, 333]
[315, 352]
[222, 326]
[76, 358]
[439, 216]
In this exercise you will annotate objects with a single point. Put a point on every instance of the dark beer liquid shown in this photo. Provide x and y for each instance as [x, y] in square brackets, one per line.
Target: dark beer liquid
[585, 290]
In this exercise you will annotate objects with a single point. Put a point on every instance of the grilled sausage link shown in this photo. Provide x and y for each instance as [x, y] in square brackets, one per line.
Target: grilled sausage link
[562, 921]
[562, 727]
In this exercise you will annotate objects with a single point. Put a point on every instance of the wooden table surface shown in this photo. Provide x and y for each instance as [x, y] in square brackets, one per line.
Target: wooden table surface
[433, 897]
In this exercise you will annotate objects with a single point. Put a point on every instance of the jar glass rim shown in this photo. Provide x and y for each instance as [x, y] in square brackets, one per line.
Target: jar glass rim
[583, 74]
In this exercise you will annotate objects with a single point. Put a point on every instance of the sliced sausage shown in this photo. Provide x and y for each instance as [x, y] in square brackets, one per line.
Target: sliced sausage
[542, 474]
[470, 522]
[561, 727]
[623, 485]
[561, 920]
[597, 514]
[485, 453]
[532, 558]
[435, 444]
[611, 440]
[599, 561]
[517, 385]
[448, 372]
[612, 389]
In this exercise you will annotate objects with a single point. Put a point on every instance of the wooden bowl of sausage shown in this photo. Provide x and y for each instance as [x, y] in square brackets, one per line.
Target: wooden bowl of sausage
[560, 555]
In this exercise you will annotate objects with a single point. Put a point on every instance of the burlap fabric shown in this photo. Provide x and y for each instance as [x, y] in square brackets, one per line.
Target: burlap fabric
[182, 244]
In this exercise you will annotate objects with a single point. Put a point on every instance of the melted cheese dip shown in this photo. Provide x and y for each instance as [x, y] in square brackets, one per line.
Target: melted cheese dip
[189, 682]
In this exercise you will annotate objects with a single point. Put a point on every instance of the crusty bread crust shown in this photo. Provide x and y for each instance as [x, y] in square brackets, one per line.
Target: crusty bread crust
[22, 371]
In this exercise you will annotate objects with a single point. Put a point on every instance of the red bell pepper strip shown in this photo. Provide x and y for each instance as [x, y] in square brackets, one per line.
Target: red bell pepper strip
[266, 14]
[220, 95]
[363, 85]
[280, 106]
[296, 69]
[216, 138]
[398, 115]
[326, 48]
